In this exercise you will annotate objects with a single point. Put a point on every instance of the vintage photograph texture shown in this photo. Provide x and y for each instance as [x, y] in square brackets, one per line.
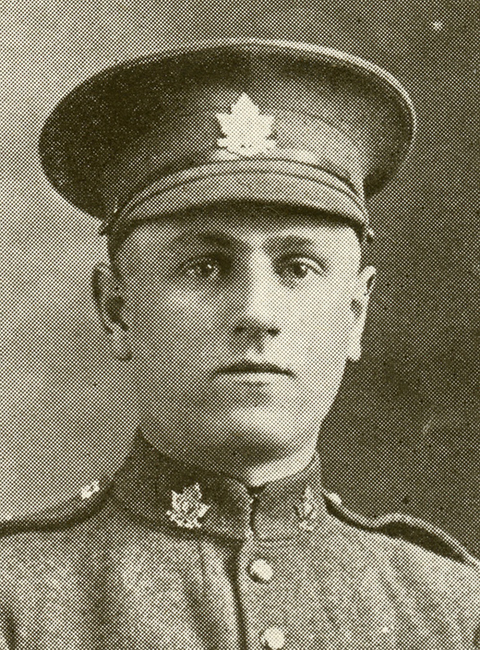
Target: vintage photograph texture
[236, 237]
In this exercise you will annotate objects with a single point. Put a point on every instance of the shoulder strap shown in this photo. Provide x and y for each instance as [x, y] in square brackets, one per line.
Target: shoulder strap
[82, 506]
[411, 529]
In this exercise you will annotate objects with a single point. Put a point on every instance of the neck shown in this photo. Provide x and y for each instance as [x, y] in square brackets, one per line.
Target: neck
[247, 466]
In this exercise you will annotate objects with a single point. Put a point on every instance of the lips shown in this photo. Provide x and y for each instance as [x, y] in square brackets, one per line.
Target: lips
[243, 367]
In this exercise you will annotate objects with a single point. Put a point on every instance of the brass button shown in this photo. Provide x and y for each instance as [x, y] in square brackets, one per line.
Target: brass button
[273, 638]
[89, 490]
[261, 571]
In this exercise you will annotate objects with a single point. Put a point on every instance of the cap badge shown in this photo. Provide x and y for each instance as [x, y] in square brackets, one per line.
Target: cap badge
[187, 507]
[247, 132]
[307, 510]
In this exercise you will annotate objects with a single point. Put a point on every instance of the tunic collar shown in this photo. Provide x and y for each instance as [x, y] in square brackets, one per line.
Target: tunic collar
[164, 490]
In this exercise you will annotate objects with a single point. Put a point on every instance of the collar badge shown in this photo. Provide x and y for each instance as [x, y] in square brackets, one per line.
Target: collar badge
[307, 510]
[247, 132]
[187, 507]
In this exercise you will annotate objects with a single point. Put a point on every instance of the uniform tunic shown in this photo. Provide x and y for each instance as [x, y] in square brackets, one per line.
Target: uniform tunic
[174, 557]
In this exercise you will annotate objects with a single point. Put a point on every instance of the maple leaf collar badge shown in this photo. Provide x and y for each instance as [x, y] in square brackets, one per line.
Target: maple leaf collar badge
[187, 507]
[247, 132]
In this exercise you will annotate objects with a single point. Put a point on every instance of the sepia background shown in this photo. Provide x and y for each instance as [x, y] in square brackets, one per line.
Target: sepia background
[405, 431]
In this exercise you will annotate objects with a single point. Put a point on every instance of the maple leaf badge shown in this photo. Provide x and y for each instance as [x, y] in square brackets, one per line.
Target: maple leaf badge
[187, 507]
[307, 511]
[247, 132]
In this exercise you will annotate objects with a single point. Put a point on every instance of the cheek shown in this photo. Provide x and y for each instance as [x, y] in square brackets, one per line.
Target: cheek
[169, 325]
[325, 322]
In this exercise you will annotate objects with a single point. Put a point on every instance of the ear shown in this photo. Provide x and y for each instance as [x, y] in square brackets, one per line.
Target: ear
[107, 294]
[361, 296]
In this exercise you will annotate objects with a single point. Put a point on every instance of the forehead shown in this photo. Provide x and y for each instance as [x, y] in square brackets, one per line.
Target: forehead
[241, 224]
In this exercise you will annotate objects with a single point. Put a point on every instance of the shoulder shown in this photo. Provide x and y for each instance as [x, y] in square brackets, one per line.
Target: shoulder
[84, 505]
[412, 533]
[53, 546]
[428, 575]
[424, 570]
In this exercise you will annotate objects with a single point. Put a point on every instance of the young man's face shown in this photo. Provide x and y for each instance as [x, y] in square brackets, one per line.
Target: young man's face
[239, 321]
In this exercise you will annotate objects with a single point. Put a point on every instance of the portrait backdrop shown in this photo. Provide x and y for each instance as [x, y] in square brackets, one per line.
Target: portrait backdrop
[404, 434]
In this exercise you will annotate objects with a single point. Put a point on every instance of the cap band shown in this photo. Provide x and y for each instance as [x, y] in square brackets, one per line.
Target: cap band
[267, 179]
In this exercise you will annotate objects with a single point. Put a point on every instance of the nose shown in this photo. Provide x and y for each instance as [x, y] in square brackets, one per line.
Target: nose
[255, 329]
[255, 304]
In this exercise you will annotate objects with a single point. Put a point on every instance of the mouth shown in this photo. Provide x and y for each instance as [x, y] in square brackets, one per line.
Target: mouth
[251, 368]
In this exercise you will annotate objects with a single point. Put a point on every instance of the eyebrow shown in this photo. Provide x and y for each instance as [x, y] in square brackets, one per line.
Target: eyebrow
[220, 239]
[291, 241]
[209, 238]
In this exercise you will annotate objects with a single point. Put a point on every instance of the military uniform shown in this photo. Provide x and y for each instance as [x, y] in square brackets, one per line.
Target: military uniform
[175, 557]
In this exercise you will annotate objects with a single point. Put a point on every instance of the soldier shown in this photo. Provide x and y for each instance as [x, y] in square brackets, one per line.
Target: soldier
[231, 179]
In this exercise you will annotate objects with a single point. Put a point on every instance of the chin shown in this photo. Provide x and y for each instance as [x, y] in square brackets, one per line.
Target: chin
[260, 431]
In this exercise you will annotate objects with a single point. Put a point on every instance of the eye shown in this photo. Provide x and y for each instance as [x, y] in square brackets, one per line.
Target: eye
[206, 268]
[296, 268]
